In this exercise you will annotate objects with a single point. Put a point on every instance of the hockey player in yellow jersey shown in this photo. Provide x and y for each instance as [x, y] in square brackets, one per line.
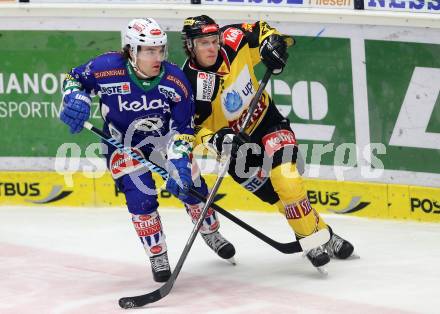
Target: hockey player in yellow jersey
[220, 68]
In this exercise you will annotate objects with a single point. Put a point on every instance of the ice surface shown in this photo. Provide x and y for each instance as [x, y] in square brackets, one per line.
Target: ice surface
[70, 260]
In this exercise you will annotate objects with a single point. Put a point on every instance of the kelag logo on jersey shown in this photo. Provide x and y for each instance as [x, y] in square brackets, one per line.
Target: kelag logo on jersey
[121, 88]
[144, 105]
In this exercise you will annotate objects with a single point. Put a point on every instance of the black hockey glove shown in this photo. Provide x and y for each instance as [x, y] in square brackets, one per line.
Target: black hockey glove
[273, 53]
[226, 136]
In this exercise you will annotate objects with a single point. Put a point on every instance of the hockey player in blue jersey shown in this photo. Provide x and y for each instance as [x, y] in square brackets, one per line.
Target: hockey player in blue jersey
[146, 103]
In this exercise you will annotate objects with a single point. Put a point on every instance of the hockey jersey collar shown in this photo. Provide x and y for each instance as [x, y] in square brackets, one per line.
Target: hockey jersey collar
[145, 85]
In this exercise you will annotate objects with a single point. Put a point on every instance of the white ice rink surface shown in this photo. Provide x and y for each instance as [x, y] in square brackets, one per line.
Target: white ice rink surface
[74, 260]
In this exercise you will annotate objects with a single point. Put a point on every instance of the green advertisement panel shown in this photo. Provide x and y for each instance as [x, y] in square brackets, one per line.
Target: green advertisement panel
[403, 82]
[32, 70]
[31, 74]
[315, 91]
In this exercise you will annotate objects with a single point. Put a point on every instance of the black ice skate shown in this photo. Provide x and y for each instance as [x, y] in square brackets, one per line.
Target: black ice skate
[160, 267]
[220, 245]
[338, 247]
[318, 257]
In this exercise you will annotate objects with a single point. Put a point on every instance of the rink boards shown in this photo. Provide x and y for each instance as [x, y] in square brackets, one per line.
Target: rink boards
[374, 200]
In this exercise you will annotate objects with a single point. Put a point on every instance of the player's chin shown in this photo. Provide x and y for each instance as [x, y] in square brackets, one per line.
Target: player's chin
[155, 71]
[210, 61]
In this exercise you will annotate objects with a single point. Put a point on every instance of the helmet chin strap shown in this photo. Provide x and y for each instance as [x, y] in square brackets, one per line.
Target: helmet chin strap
[141, 74]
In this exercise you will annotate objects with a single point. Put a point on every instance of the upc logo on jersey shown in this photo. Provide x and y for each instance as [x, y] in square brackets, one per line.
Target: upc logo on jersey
[122, 88]
[238, 95]
[205, 86]
[138, 105]
[169, 93]
[233, 101]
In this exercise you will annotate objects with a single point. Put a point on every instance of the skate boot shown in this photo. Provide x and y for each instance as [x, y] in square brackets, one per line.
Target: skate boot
[220, 245]
[318, 257]
[160, 267]
[338, 247]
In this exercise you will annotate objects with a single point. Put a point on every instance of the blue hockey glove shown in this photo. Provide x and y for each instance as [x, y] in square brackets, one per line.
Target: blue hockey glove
[76, 110]
[180, 181]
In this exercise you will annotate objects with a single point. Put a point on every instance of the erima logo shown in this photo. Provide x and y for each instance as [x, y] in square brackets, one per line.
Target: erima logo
[354, 206]
[122, 88]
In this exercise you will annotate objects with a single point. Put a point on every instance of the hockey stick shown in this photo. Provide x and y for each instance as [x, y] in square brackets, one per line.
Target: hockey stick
[286, 248]
[141, 300]
[297, 246]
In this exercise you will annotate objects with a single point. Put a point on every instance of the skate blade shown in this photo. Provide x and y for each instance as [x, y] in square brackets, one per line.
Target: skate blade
[232, 261]
[322, 270]
[353, 256]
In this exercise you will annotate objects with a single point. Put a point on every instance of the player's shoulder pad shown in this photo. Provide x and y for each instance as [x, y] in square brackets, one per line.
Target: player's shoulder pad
[109, 64]
[232, 37]
[175, 78]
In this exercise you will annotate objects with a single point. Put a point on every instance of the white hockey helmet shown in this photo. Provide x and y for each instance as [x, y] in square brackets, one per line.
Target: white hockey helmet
[144, 32]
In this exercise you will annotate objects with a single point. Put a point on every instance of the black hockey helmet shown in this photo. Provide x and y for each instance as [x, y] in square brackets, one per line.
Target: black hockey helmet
[199, 26]
[196, 27]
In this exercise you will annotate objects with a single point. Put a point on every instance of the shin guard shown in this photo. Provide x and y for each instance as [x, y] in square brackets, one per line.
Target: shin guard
[294, 204]
[210, 223]
[149, 230]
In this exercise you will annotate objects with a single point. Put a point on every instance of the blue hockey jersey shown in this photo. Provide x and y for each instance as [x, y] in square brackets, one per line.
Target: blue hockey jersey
[150, 112]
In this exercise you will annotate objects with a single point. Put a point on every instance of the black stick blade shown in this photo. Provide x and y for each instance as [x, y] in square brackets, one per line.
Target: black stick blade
[140, 300]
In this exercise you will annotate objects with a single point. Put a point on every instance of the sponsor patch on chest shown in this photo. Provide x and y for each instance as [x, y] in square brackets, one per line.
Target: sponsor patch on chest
[205, 86]
[121, 88]
[237, 96]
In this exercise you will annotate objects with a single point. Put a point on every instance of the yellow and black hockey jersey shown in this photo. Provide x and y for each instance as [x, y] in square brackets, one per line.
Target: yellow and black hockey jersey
[224, 91]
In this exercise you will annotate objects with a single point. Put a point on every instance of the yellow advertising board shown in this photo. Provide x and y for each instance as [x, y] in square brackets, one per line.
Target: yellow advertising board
[373, 200]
